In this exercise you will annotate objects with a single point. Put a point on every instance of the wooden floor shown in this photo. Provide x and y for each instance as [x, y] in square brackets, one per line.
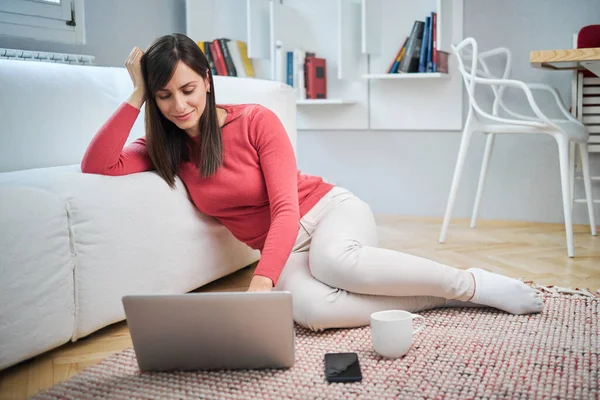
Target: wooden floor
[522, 250]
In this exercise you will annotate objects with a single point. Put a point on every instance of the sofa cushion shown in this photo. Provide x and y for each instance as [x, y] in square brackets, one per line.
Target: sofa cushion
[36, 266]
[133, 234]
[50, 112]
[53, 110]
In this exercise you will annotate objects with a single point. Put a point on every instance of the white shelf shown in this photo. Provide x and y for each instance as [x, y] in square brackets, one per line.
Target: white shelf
[355, 37]
[418, 101]
[595, 201]
[315, 102]
[413, 75]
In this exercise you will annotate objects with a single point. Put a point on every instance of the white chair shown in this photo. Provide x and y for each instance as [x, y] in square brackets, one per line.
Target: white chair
[564, 131]
[585, 103]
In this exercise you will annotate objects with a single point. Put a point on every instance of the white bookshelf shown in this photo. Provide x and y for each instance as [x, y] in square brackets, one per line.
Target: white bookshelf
[417, 101]
[328, 28]
[324, 102]
[414, 75]
[210, 19]
[358, 38]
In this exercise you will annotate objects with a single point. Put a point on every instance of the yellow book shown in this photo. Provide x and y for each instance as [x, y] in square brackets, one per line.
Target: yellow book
[401, 54]
[201, 45]
[247, 61]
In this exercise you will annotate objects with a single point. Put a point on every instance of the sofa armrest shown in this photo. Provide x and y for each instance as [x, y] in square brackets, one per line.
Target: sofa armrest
[36, 265]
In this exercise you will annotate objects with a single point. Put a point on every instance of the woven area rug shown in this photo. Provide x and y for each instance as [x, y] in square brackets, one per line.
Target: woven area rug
[461, 354]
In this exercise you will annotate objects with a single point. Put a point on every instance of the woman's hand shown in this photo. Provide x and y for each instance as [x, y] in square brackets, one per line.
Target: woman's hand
[260, 284]
[134, 67]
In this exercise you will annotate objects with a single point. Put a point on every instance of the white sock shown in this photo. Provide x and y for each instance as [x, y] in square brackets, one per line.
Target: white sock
[504, 293]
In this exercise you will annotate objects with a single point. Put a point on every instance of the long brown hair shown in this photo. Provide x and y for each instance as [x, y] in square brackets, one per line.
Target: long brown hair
[167, 144]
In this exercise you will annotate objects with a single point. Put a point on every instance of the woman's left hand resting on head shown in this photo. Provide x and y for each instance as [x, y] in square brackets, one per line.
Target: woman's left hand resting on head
[260, 284]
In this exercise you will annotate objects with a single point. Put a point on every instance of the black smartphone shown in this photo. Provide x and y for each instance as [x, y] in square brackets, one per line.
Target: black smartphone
[342, 367]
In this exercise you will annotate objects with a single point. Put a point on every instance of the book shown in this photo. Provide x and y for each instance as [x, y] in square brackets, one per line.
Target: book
[236, 58]
[246, 61]
[215, 50]
[442, 62]
[296, 71]
[393, 68]
[430, 44]
[419, 50]
[231, 71]
[299, 57]
[227, 57]
[424, 46]
[410, 60]
[316, 78]
[289, 76]
[209, 58]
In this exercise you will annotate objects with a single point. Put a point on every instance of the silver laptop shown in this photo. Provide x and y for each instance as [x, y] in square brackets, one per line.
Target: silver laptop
[208, 331]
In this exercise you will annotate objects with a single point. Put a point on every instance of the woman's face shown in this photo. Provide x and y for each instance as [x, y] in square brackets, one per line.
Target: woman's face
[183, 99]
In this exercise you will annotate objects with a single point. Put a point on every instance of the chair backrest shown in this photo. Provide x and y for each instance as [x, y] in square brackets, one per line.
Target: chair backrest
[468, 66]
[588, 36]
[473, 66]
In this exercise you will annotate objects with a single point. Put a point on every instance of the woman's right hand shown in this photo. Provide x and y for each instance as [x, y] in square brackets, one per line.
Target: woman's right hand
[133, 65]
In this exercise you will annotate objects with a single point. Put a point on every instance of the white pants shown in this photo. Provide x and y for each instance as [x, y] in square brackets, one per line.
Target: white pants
[338, 276]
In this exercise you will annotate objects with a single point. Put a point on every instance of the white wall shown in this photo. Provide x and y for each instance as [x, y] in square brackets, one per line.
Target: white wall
[401, 172]
[114, 27]
[409, 173]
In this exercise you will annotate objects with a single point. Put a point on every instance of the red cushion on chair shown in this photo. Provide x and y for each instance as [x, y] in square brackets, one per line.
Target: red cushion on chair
[588, 36]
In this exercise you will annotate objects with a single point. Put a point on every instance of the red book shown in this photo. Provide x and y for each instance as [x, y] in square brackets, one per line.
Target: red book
[215, 49]
[316, 78]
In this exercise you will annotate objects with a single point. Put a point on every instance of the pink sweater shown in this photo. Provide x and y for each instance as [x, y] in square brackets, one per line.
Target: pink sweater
[258, 194]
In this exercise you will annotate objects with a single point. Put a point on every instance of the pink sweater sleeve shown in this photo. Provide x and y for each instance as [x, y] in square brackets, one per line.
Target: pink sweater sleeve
[278, 164]
[106, 154]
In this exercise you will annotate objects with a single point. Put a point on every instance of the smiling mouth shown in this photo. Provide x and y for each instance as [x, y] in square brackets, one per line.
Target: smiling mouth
[183, 117]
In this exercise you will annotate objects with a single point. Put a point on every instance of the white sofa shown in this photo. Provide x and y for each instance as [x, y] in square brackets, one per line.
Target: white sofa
[72, 244]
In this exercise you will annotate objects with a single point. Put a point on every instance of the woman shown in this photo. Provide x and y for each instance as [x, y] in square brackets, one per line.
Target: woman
[316, 240]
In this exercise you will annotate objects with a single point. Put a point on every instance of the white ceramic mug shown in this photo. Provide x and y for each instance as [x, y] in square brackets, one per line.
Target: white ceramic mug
[392, 332]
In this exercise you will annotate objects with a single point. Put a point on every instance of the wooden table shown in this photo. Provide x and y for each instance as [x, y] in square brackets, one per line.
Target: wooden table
[567, 59]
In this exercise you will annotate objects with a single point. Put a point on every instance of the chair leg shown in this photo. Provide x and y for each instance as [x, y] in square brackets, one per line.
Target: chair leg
[489, 146]
[460, 162]
[572, 153]
[587, 182]
[563, 155]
